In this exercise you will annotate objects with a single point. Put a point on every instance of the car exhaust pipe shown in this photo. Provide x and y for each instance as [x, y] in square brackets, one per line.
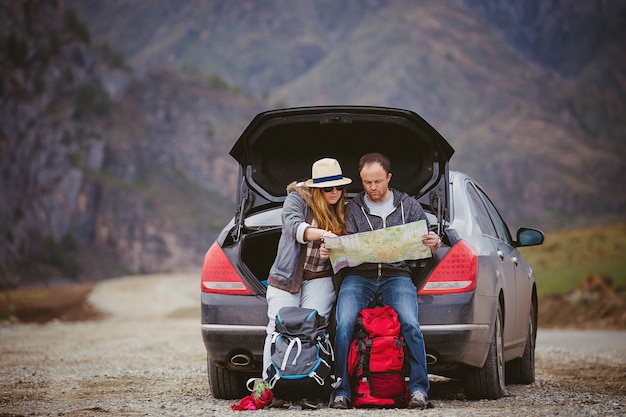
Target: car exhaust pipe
[431, 359]
[240, 360]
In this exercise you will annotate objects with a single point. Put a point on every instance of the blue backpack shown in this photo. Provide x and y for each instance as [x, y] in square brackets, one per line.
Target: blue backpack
[302, 355]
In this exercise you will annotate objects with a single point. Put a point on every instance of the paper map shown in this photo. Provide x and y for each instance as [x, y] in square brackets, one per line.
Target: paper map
[391, 244]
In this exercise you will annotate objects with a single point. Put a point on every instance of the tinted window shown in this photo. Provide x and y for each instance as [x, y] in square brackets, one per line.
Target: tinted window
[501, 228]
[482, 216]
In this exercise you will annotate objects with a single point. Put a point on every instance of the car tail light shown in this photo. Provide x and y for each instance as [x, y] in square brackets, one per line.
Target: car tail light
[455, 273]
[219, 276]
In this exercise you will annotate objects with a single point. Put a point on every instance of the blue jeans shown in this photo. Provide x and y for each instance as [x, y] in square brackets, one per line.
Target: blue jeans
[399, 293]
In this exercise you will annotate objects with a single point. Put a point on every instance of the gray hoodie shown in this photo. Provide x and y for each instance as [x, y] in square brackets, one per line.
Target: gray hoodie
[359, 219]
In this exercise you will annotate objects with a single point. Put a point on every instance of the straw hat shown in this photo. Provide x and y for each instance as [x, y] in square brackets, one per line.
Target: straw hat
[327, 173]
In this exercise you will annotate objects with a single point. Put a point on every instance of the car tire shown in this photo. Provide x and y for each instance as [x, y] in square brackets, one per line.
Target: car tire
[488, 382]
[522, 370]
[224, 383]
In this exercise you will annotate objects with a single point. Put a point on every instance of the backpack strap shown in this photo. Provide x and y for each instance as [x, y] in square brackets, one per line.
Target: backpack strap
[273, 380]
[294, 341]
[366, 356]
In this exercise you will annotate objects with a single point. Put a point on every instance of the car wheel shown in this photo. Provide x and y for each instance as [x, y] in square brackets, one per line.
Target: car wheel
[522, 370]
[224, 383]
[488, 382]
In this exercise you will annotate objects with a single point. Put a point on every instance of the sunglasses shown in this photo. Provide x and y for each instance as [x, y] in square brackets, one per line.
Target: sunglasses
[329, 189]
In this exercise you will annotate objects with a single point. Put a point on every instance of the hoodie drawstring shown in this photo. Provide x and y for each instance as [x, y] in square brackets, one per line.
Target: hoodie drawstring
[380, 266]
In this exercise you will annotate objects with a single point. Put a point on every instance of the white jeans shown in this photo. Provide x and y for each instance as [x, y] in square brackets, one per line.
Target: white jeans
[318, 294]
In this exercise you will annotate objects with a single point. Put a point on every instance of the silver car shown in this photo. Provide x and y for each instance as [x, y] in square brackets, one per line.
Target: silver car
[477, 296]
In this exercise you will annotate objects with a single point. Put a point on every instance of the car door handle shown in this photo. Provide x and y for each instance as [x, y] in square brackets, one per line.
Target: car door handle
[514, 260]
[501, 255]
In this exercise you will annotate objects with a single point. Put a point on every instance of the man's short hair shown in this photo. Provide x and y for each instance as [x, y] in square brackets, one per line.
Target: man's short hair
[373, 157]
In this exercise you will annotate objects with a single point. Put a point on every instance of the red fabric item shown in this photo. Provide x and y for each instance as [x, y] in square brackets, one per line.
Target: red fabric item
[246, 403]
[259, 399]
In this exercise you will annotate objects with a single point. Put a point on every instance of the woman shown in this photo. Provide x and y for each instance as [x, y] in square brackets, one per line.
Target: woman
[301, 275]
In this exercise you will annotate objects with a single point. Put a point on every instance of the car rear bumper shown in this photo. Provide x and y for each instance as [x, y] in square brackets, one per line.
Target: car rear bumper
[240, 347]
[233, 330]
[456, 328]
[456, 343]
[236, 347]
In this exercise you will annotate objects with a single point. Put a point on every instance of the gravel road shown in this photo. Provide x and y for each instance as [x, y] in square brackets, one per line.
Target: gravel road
[146, 358]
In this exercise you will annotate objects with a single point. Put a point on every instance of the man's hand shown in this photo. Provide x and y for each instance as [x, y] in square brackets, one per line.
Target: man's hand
[432, 240]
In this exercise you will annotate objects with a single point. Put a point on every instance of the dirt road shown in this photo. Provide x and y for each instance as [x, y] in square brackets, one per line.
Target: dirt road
[146, 358]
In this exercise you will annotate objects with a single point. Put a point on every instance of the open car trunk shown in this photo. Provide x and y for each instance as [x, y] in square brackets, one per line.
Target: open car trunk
[280, 146]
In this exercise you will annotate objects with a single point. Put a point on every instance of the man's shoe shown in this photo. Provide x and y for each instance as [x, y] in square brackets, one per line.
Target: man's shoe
[340, 402]
[418, 400]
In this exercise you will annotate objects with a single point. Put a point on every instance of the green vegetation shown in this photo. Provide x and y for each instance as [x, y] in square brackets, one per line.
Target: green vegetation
[41, 305]
[61, 255]
[13, 301]
[171, 194]
[16, 49]
[115, 57]
[218, 82]
[567, 257]
[76, 27]
[92, 101]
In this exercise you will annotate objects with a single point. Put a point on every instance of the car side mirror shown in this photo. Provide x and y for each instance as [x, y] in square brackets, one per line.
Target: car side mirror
[527, 236]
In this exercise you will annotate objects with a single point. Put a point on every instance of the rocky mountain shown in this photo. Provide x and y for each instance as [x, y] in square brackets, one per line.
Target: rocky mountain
[116, 117]
[536, 85]
[103, 172]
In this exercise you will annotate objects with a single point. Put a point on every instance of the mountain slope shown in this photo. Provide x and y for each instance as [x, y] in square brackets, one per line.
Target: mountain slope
[537, 86]
[554, 143]
[117, 117]
[256, 45]
[104, 173]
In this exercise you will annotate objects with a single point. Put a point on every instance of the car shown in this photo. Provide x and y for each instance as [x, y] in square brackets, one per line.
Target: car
[477, 296]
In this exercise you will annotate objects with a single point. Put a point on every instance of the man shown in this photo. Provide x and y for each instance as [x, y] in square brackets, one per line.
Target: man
[377, 207]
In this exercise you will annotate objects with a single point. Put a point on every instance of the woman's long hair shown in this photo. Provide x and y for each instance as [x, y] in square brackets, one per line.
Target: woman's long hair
[329, 217]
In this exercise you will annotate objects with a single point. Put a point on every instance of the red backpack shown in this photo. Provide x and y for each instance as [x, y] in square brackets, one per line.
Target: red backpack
[376, 360]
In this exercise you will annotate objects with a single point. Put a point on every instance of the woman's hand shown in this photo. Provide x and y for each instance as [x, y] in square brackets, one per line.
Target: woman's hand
[324, 252]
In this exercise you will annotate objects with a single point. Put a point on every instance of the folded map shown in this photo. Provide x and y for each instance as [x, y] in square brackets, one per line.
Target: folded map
[391, 244]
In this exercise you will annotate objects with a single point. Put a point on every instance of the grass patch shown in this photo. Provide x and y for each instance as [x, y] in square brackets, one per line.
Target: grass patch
[567, 257]
[41, 305]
